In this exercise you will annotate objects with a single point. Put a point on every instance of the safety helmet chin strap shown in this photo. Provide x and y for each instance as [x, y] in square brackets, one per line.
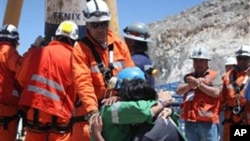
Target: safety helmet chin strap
[106, 71]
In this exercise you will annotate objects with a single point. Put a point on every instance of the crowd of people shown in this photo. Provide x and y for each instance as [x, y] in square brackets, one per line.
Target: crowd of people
[102, 88]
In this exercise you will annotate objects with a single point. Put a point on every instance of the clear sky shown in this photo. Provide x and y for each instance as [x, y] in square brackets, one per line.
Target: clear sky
[32, 20]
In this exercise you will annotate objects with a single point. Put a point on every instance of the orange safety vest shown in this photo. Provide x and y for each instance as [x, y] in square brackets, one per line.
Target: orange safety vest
[198, 106]
[9, 88]
[87, 75]
[48, 86]
[233, 89]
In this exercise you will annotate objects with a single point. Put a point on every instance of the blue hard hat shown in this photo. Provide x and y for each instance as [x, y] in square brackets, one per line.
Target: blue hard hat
[130, 74]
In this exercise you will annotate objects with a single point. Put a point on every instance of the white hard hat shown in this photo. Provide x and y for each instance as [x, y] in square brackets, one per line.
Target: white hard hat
[69, 29]
[243, 50]
[231, 61]
[9, 31]
[137, 31]
[97, 11]
[200, 53]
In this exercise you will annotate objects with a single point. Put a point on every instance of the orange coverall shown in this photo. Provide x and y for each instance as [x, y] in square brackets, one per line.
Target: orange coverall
[89, 80]
[9, 91]
[48, 92]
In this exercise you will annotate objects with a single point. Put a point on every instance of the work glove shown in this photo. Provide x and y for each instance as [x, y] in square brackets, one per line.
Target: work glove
[39, 42]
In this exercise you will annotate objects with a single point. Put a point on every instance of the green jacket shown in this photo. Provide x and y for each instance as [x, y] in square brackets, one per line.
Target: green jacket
[119, 117]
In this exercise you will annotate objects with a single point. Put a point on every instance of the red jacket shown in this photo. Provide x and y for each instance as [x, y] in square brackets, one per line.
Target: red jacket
[48, 85]
[23, 70]
[9, 60]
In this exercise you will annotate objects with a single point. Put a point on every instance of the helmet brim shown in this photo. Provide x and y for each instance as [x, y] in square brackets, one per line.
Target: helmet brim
[209, 59]
[138, 38]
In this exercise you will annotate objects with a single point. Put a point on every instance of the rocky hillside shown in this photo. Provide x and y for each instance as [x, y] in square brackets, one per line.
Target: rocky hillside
[220, 25]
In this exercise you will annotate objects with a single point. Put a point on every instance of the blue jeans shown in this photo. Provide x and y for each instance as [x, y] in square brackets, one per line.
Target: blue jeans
[221, 130]
[201, 131]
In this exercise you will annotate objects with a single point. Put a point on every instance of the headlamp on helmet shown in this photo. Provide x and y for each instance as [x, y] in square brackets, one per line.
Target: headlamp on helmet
[200, 53]
[96, 11]
[126, 74]
[137, 31]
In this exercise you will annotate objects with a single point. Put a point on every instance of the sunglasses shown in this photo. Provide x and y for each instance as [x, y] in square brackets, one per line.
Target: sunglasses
[99, 24]
[243, 58]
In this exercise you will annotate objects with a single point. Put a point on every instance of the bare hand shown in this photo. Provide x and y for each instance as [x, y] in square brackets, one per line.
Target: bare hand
[97, 125]
[92, 119]
[111, 100]
[165, 96]
[192, 81]
[166, 112]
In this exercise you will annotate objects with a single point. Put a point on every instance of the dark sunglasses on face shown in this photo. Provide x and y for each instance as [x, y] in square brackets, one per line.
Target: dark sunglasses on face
[243, 58]
[99, 24]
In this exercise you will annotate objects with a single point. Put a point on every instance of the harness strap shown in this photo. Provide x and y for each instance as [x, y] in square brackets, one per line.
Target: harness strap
[37, 126]
[230, 108]
[231, 119]
[106, 72]
[237, 88]
[6, 120]
[23, 116]
[53, 126]
[84, 118]
[54, 121]
[35, 117]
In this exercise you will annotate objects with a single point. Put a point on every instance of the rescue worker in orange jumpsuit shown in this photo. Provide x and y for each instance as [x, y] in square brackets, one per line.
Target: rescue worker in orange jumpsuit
[229, 65]
[48, 94]
[96, 58]
[200, 107]
[9, 89]
[233, 89]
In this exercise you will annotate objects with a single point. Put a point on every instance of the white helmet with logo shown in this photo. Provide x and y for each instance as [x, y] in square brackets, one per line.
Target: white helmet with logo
[9, 31]
[69, 29]
[231, 61]
[97, 11]
[200, 53]
[243, 50]
[137, 31]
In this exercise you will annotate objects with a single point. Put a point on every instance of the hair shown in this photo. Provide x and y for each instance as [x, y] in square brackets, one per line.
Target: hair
[65, 39]
[14, 42]
[136, 89]
[139, 46]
